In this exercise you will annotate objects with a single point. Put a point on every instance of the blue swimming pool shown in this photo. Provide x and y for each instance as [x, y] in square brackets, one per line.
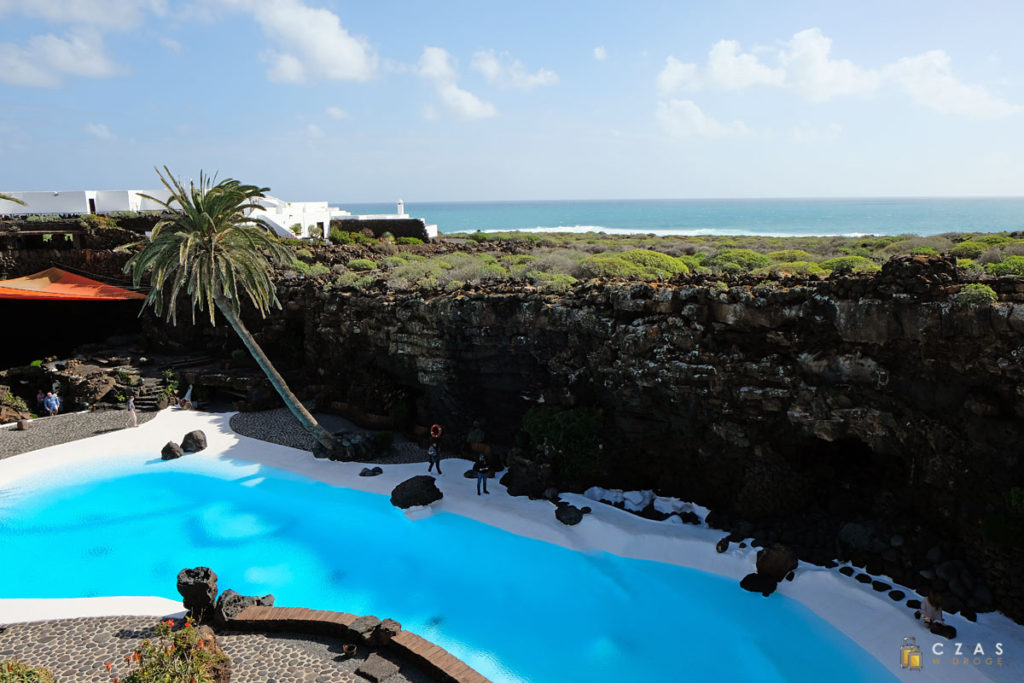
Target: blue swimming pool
[514, 608]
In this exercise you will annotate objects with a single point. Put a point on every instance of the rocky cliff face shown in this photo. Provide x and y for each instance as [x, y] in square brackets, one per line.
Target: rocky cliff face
[871, 418]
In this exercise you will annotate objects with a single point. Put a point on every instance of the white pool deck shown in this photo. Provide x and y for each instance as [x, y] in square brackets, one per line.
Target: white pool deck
[870, 619]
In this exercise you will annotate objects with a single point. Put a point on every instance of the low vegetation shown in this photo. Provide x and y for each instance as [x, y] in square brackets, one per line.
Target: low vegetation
[13, 671]
[176, 656]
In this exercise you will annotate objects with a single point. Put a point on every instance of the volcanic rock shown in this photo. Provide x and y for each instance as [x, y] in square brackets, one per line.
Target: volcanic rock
[419, 490]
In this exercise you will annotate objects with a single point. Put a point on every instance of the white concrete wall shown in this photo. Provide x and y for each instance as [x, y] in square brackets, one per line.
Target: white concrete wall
[306, 214]
[75, 202]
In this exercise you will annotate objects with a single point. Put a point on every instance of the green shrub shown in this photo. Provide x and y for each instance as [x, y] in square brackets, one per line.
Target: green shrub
[454, 285]
[408, 240]
[797, 268]
[969, 249]
[855, 251]
[339, 236]
[609, 266]
[857, 264]
[738, 260]
[925, 251]
[36, 364]
[656, 262]
[1011, 265]
[361, 264]
[91, 220]
[789, 256]
[296, 229]
[552, 282]
[568, 438]
[304, 253]
[310, 269]
[175, 657]
[13, 671]
[478, 236]
[976, 295]
[18, 403]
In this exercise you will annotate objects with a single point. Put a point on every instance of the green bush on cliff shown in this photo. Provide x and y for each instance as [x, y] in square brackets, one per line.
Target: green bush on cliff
[794, 268]
[1011, 265]
[969, 249]
[310, 269]
[655, 262]
[737, 261]
[568, 439]
[789, 256]
[636, 264]
[924, 251]
[408, 240]
[856, 264]
[552, 282]
[339, 236]
[976, 295]
[361, 264]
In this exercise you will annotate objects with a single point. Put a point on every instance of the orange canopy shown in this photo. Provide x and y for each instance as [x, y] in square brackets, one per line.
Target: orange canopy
[54, 284]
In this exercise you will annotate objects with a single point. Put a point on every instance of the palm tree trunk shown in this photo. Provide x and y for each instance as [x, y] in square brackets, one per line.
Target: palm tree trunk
[304, 417]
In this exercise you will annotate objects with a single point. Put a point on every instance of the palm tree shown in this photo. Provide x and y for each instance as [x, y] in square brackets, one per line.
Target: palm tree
[218, 253]
[12, 199]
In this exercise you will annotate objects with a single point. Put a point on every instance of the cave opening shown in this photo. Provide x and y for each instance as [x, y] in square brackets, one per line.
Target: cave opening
[40, 329]
[849, 479]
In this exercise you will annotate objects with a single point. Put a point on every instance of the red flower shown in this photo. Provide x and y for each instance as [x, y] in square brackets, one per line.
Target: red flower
[188, 624]
[108, 666]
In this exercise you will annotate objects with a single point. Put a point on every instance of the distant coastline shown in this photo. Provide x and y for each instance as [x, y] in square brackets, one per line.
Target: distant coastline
[850, 217]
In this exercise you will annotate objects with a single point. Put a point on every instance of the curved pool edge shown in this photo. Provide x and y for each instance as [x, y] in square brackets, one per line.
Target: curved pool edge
[868, 619]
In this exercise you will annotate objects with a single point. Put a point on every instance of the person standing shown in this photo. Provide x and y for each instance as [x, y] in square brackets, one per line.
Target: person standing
[482, 470]
[132, 419]
[434, 458]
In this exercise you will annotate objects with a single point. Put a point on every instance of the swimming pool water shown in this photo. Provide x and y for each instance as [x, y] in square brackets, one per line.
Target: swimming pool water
[512, 607]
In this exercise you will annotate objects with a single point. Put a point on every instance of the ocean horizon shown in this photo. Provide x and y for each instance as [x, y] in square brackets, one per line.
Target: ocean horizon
[849, 217]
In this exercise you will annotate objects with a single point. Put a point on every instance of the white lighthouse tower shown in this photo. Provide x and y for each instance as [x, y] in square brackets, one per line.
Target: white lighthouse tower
[401, 207]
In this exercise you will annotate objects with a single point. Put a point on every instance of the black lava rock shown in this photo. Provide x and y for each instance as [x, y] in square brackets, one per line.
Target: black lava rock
[171, 451]
[198, 589]
[194, 441]
[370, 471]
[419, 490]
[230, 604]
[570, 515]
[759, 583]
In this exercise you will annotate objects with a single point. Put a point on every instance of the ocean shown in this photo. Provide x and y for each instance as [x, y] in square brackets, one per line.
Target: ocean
[770, 217]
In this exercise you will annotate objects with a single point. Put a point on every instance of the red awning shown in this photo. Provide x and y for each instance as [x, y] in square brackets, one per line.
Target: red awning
[54, 284]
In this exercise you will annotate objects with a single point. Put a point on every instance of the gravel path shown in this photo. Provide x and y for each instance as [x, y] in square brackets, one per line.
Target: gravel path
[78, 649]
[50, 431]
[280, 426]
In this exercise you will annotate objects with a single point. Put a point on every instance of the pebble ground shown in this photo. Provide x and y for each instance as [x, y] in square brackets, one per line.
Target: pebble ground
[78, 649]
[50, 431]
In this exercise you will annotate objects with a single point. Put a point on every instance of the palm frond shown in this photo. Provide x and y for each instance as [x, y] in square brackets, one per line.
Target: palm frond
[211, 248]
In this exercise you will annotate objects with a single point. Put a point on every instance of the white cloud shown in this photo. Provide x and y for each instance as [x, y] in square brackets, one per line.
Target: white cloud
[814, 74]
[102, 14]
[171, 44]
[929, 80]
[731, 69]
[436, 66]
[804, 65]
[600, 53]
[337, 113]
[683, 119]
[313, 131]
[99, 131]
[45, 60]
[510, 73]
[310, 43]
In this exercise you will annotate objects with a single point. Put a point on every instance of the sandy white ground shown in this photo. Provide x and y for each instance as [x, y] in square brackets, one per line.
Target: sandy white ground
[869, 618]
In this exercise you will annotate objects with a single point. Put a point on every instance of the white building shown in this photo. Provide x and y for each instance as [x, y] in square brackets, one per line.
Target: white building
[281, 216]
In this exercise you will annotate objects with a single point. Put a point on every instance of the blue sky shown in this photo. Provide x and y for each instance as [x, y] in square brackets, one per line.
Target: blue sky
[477, 100]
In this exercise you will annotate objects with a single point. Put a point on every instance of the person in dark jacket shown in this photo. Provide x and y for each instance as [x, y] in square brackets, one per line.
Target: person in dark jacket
[482, 470]
[434, 458]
